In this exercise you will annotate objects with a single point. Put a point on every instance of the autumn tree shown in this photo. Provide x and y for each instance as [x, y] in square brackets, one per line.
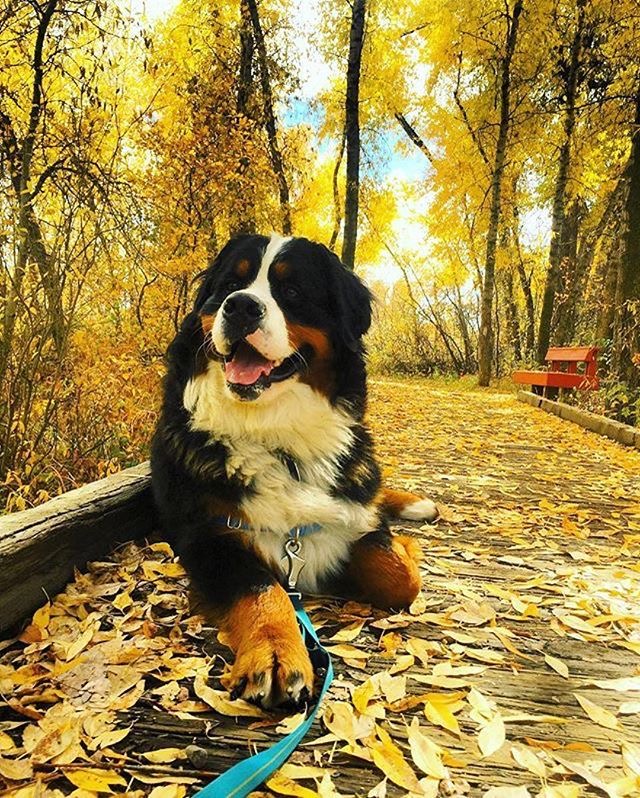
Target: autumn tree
[352, 132]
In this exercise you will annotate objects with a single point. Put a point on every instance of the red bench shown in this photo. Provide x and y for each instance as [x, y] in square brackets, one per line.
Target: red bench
[569, 367]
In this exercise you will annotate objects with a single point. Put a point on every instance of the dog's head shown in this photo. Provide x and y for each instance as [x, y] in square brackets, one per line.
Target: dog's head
[279, 310]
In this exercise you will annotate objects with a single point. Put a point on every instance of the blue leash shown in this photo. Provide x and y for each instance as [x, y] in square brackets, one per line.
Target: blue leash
[245, 776]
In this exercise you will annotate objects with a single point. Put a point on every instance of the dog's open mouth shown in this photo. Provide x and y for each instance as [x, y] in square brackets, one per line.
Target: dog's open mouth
[248, 372]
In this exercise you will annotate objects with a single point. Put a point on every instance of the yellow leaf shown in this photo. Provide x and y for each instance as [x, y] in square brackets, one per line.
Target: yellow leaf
[392, 687]
[348, 633]
[6, 743]
[291, 722]
[626, 684]
[422, 649]
[163, 755]
[557, 664]
[390, 760]
[168, 791]
[42, 616]
[528, 759]
[284, 786]
[340, 719]
[425, 753]
[151, 569]
[561, 791]
[631, 758]
[491, 738]
[15, 769]
[598, 714]
[507, 792]
[80, 643]
[481, 704]
[345, 651]
[110, 738]
[122, 600]
[402, 663]
[363, 694]
[219, 700]
[94, 779]
[439, 713]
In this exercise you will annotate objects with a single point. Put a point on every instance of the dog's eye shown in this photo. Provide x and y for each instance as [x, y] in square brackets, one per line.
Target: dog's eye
[290, 292]
[233, 285]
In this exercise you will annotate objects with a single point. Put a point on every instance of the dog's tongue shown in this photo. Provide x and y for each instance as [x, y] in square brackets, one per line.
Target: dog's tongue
[247, 365]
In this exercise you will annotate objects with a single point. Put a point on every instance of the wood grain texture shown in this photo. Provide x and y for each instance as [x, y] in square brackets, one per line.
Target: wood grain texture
[40, 547]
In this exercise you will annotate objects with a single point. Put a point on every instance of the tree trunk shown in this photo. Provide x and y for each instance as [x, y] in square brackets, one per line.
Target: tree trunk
[525, 284]
[352, 128]
[512, 317]
[566, 307]
[626, 343]
[485, 338]
[277, 161]
[557, 247]
[336, 194]
[241, 187]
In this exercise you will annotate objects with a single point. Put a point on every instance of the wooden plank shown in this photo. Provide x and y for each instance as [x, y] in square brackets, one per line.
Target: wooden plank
[557, 379]
[40, 547]
[572, 353]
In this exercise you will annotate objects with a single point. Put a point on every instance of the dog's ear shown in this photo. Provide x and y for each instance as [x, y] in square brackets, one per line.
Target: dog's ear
[351, 301]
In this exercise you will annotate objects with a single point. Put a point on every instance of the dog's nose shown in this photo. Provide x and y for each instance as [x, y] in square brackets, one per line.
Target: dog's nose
[242, 313]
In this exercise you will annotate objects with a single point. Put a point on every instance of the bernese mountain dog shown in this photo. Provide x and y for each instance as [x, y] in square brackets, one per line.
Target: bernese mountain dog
[263, 468]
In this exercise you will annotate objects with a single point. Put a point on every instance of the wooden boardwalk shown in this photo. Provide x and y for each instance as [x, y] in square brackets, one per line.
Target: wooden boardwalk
[529, 618]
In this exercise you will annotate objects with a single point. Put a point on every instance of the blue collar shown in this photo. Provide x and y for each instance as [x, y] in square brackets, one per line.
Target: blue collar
[238, 523]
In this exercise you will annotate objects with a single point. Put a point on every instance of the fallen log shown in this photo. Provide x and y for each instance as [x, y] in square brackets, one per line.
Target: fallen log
[40, 547]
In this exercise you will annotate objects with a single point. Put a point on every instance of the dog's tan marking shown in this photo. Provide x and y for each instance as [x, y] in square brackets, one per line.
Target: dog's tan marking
[242, 268]
[272, 665]
[319, 375]
[207, 320]
[387, 577]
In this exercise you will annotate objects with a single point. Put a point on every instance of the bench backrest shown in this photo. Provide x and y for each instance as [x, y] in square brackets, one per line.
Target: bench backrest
[570, 356]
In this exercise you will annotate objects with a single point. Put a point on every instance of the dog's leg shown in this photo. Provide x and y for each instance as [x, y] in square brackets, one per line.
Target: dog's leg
[384, 569]
[402, 504]
[272, 665]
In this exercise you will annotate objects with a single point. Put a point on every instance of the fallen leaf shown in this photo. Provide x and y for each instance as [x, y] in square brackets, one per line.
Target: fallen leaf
[507, 792]
[557, 664]
[168, 791]
[425, 753]
[439, 709]
[528, 759]
[340, 719]
[345, 651]
[15, 769]
[598, 714]
[631, 758]
[284, 786]
[95, 780]
[492, 736]
[626, 684]
[348, 633]
[390, 760]
[219, 700]
[163, 755]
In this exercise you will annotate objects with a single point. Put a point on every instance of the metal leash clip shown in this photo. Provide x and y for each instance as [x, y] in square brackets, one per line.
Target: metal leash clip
[292, 548]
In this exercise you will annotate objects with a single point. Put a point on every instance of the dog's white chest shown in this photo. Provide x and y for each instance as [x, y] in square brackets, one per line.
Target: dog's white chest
[287, 453]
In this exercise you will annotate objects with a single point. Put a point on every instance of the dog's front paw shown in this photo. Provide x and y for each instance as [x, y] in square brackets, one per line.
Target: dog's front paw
[273, 672]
